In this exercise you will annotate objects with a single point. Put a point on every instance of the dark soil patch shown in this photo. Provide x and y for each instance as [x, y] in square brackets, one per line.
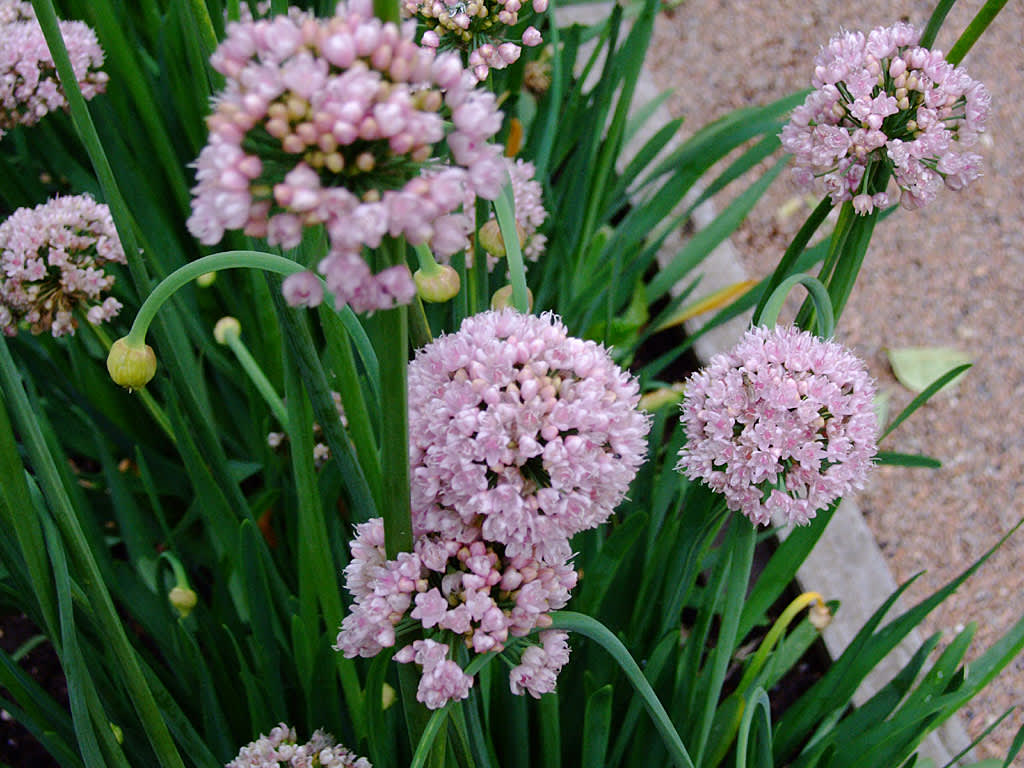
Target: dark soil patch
[17, 746]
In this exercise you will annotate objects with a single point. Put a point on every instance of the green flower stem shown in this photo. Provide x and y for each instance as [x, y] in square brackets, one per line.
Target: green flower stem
[387, 10]
[426, 259]
[342, 359]
[931, 29]
[796, 247]
[86, 129]
[505, 211]
[978, 25]
[180, 575]
[158, 413]
[257, 377]
[108, 623]
[419, 328]
[213, 263]
[394, 421]
[818, 294]
[599, 633]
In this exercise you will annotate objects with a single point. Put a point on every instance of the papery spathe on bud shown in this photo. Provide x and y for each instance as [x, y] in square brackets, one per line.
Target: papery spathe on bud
[819, 615]
[131, 365]
[227, 328]
[502, 299]
[183, 599]
[437, 285]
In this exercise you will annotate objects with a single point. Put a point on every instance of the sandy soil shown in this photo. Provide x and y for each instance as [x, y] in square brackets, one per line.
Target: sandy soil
[948, 275]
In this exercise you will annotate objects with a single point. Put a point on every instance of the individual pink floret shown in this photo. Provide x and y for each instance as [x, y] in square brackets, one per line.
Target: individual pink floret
[51, 265]
[782, 425]
[29, 86]
[521, 430]
[280, 749]
[348, 124]
[882, 99]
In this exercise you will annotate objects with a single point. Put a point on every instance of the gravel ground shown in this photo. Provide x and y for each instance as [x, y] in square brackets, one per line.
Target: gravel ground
[948, 275]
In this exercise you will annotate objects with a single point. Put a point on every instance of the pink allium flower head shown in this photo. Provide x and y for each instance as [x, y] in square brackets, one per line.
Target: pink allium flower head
[51, 264]
[882, 98]
[521, 430]
[341, 122]
[280, 749]
[29, 86]
[783, 424]
[478, 29]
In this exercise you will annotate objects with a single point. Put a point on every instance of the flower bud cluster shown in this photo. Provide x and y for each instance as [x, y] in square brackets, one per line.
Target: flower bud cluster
[340, 122]
[460, 589]
[479, 27]
[280, 749]
[782, 425]
[883, 99]
[51, 263]
[29, 86]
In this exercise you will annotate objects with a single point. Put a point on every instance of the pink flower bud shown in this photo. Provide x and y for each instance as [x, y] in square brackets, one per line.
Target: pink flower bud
[532, 37]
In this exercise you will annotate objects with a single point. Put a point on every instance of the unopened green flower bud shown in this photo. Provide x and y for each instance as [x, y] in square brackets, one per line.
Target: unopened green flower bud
[492, 241]
[118, 733]
[183, 599]
[503, 298]
[227, 327]
[437, 285]
[206, 279]
[131, 365]
[387, 697]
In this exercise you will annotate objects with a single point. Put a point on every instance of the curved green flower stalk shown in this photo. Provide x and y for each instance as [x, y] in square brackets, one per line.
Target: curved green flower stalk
[735, 709]
[131, 361]
[214, 263]
[818, 295]
[599, 633]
